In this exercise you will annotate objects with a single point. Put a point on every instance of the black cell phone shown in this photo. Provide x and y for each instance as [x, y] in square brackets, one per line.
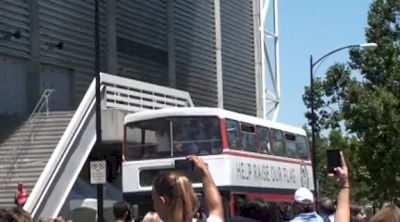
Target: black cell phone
[333, 160]
[184, 165]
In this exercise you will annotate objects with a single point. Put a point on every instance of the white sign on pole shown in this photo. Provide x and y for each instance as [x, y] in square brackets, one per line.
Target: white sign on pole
[98, 172]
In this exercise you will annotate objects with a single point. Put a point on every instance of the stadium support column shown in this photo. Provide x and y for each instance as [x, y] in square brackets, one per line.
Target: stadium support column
[218, 53]
[171, 43]
[33, 74]
[257, 59]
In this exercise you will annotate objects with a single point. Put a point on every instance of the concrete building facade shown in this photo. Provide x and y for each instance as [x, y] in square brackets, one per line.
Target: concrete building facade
[204, 47]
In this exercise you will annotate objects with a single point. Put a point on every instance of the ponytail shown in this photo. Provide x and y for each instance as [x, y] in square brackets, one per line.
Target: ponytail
[178, 189]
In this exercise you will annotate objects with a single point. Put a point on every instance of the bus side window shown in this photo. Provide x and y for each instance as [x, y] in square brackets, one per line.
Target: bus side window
[301, 144]
[290, 141]
[248, 136]
[263, 139]
[232, 129]
[278, 147]
[239, 201]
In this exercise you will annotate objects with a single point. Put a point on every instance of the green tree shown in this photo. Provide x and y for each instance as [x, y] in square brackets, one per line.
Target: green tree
[363, 98]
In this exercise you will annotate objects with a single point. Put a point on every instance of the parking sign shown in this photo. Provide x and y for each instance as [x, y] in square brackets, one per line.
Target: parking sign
[98, 172]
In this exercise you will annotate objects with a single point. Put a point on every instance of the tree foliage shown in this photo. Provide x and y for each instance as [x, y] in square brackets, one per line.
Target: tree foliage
[362, 98]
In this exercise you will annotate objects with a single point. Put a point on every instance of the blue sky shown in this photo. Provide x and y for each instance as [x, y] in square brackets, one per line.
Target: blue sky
[313, 27]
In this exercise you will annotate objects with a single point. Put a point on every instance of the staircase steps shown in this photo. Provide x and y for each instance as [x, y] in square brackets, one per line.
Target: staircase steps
[24, 154]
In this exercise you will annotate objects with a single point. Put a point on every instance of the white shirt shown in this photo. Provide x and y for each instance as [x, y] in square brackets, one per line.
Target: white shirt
[214, 218]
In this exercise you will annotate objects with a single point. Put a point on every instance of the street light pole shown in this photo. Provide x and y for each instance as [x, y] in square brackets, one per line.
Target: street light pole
[367, 46]
[100, 196]
[314, 150]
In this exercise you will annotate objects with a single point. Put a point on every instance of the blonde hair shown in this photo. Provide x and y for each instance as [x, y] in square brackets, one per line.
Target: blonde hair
[58, 219]
[183, 202]
[389, 213]
[20, 215]
[151, 217]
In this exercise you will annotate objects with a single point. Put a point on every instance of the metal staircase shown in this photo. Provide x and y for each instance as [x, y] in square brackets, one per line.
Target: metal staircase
[24, 155]
[32, 156]
[48, 152]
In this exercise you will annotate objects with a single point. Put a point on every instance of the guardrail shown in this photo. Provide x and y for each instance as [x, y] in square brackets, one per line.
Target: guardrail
[66, 161]
[132, 95]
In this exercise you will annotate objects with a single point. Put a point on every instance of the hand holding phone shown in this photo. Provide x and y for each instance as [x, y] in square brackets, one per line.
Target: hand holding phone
[340, 172]
[184, 165]
[333, 160]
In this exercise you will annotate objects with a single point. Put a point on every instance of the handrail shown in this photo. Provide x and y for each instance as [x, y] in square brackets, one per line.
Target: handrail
[27, 136]
[60, 161]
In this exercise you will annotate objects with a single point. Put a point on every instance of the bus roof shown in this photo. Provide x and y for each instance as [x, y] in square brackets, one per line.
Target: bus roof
[205, 111]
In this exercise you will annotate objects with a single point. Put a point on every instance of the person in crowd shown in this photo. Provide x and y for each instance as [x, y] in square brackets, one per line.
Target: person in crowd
[285, 211]
[58, 219]
[249, 211]
[6, 216]
[343, 199]
[19, 215]
[266, 213]
[303, 206]
[327, 209]
[174, 198]
[21, 195]
[389, 213]
[151, 217]
[121, 211]
[357, 214]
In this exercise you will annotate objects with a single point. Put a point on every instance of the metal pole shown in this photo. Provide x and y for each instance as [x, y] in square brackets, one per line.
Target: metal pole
[100, 217]
[313, 142]
[313, 119]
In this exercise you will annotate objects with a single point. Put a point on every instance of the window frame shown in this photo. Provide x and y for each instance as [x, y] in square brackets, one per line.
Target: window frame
[253, 149]
[258, 135]
[306, 142]
[287, 147]
[273, 142]
[239, 147]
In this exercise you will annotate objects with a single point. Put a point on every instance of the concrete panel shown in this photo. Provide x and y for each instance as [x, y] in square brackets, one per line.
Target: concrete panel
[112, 125]
[12, 86]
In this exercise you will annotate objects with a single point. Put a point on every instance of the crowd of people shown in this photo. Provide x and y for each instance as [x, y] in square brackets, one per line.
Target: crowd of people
[174, 200]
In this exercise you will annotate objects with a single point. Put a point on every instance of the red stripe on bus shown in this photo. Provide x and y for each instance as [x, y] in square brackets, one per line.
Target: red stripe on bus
[232, 153]
[224, 137]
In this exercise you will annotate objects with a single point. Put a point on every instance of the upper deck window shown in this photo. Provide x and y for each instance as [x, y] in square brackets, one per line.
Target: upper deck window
[263, 139]
[248, 137]
[278, 146]
[148, 139]
[151, 139]
[196, 135]
[232, 129]
[302, 148]
[291, 146]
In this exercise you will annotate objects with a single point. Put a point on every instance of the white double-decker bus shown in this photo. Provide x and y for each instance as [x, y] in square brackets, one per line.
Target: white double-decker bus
[248, 157]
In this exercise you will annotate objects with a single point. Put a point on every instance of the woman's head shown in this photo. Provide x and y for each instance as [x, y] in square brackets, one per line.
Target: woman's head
[151, 217]
[358, 213]
[174, 198]
[389, 213]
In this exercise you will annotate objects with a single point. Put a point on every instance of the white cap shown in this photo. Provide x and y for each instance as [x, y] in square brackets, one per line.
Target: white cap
[303, 195]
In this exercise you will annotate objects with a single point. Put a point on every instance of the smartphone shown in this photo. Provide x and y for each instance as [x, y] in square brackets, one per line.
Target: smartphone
[184, 165]
[333, 160]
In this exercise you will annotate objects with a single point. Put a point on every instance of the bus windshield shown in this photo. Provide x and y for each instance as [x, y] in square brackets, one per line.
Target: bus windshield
[172, 137]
